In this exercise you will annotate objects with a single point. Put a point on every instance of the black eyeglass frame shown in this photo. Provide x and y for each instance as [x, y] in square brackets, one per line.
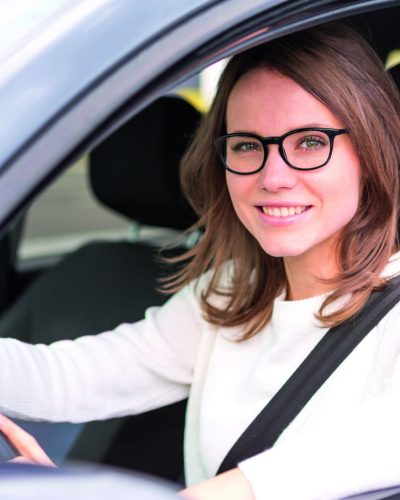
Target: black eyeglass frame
[265, 141]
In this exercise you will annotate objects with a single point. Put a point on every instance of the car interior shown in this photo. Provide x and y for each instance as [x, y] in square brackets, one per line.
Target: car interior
[104, 283]
[133, 172]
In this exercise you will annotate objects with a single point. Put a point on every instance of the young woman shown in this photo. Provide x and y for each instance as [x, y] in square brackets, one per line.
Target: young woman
[299, 200]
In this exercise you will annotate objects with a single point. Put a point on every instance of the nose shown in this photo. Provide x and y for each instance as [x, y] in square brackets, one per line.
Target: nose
[276, 174]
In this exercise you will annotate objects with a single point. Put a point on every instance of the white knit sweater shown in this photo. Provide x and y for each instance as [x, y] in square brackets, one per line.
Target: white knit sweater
[346, 438]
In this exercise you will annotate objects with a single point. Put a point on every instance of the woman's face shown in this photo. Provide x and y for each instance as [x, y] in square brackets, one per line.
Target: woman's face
[267, 104]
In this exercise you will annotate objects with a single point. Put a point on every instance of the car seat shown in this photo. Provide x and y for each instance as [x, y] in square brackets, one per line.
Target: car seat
[135, 173]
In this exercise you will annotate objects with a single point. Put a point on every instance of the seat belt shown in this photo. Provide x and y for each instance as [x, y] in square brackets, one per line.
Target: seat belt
[322, 361]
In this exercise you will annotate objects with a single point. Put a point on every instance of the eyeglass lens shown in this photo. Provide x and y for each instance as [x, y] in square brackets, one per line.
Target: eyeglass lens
[304, 150]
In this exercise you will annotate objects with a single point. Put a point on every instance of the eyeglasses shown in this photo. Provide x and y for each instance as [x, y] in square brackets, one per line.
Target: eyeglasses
[302, 149]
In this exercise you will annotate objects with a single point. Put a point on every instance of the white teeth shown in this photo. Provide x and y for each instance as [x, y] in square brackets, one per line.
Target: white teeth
[283, 211]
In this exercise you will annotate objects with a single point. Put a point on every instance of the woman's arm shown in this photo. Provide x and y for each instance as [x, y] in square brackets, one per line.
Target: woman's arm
[135, 368]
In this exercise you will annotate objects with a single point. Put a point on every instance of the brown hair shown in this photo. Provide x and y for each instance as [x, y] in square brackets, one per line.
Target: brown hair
[339, 68]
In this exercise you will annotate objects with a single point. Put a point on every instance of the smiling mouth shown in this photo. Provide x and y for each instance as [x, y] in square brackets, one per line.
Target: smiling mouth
[283, 211]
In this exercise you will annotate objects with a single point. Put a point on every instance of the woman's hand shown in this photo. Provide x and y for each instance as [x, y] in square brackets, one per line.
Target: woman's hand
[231, 485]
[26, 444]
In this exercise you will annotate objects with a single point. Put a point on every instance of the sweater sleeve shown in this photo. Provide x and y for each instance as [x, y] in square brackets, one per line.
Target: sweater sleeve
[134, 368]
[360, 454]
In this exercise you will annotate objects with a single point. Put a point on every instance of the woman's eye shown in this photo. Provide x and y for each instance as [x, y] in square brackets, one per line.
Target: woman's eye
[312, 142]
[245, 147]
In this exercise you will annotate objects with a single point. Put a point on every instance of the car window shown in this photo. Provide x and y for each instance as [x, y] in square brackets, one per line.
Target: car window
[66, 216]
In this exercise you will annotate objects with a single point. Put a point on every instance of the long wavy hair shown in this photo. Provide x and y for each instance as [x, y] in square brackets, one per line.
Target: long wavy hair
[339, 68]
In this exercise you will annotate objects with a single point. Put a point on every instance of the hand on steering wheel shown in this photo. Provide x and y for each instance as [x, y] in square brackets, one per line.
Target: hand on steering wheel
[27, 446]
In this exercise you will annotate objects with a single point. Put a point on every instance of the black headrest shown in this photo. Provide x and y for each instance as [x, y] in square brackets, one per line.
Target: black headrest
[135, 170]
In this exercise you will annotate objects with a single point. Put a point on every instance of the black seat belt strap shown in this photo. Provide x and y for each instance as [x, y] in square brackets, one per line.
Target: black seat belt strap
[322, 361]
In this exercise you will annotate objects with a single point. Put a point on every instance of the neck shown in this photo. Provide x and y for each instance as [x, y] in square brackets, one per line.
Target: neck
[305, 274]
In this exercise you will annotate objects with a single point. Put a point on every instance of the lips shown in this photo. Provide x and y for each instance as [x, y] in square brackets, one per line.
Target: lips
[286, 211]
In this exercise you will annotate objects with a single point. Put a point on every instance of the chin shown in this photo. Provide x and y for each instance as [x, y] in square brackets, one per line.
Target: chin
[283, 251]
